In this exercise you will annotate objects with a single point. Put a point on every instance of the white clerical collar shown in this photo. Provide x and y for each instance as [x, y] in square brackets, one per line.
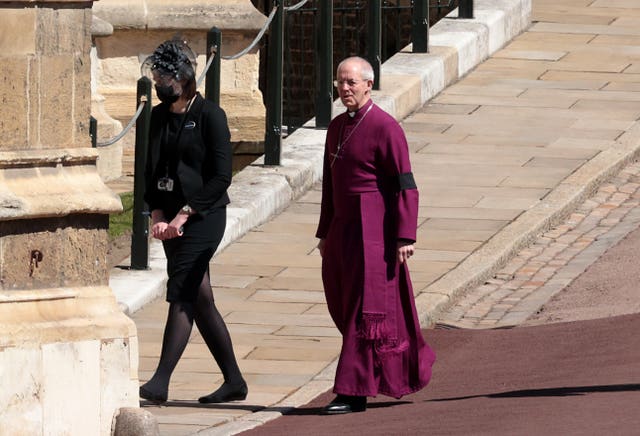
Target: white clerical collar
[352, 114]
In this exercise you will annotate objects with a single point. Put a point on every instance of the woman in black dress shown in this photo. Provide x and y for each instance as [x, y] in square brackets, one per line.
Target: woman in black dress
[187, 176]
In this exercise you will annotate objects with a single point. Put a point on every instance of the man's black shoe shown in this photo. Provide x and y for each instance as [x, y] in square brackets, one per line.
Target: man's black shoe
[345, 404]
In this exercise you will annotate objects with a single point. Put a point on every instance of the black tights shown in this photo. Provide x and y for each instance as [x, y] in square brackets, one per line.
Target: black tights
[176, 335]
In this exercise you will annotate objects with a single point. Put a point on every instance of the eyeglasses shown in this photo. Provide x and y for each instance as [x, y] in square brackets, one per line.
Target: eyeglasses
[350, 83]
[163, 78]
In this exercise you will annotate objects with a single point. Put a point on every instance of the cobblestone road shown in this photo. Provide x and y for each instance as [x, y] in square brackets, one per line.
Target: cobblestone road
[555, 259]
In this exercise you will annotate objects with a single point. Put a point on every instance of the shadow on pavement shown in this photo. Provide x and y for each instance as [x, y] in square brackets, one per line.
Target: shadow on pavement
[196, 405]
[550, 392]
[306, 411]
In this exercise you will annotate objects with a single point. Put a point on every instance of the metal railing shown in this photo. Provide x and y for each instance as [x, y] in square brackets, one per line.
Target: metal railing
[324, 60]
[375, 29]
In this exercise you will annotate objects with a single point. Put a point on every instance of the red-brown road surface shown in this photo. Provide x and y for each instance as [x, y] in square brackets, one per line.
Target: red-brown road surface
[577, 378]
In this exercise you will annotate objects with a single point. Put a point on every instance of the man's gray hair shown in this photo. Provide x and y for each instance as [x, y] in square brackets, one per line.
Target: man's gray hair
[366, 70]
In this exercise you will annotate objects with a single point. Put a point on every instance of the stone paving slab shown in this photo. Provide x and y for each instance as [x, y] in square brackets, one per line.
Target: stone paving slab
[512, 156]
[554, 259]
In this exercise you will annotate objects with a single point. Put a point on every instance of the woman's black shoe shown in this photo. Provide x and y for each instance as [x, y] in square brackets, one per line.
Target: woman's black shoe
[225, 393]
[152, 396]
[345, 404]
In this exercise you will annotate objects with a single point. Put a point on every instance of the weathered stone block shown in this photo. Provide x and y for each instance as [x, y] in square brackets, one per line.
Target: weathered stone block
[82, 100]
[71, 387]
[122, 386]
[61, 182]
[20, 407]
[64, 31]
[57, 252]
[132, 421]
[19, 265]
[129, 14]
[18, 32]
[85, 245]
[14, 73]
[56, 101]
[64, 374]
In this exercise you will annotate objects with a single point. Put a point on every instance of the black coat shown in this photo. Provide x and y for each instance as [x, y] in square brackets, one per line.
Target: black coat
[204, 156]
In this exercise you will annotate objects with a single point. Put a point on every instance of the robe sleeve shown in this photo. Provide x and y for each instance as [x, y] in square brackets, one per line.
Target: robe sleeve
[326, 205]
[396, 165]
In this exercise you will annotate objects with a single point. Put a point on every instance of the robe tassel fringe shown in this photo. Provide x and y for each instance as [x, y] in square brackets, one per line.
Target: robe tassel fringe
[372, 327]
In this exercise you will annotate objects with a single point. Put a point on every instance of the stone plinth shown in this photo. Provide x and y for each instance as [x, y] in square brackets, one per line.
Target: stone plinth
[140, 26]
[68, 356]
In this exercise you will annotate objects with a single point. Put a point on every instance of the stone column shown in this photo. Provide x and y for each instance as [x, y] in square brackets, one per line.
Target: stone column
[68, 356]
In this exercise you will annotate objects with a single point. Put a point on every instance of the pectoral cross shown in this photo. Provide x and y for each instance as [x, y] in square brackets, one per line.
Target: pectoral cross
[342, 142]
[336, 155]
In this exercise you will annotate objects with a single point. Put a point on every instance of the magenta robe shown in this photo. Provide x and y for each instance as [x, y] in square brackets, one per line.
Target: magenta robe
[366, 208]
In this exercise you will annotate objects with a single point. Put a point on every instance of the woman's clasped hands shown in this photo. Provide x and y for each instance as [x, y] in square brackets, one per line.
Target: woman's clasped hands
[163, 230]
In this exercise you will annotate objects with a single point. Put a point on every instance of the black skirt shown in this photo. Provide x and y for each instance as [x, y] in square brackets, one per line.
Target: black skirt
[188, 256]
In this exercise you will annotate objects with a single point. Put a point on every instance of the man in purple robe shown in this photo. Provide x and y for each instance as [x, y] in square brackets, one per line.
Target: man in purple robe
[367, 229]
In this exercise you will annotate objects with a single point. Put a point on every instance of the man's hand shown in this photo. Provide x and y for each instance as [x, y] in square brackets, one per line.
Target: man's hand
[321, 247]
[405, 251]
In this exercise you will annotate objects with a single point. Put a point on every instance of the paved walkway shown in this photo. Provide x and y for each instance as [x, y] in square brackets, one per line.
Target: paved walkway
[553, 260]
[499, 158]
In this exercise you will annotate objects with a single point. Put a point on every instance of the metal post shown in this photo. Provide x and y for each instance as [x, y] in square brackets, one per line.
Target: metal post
[324, 59]
[140, 227]
[465, 9]
[374, 54]
[273, 134]
[212, 80]
[93, 131]
[420, 26]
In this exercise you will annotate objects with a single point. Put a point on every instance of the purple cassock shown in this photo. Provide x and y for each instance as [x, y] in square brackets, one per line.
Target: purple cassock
[369, 202]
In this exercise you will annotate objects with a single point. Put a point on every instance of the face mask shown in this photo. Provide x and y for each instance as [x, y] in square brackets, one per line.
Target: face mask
[166, 94]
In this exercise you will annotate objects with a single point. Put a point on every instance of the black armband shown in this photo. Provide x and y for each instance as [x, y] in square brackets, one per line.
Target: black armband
[406, 181]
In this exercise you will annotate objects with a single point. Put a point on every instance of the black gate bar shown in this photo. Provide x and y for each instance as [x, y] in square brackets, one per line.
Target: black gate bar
[420, 26]
[140, 226]
[212, 80]
[465, 9]
[374, 52]
[324, 57]
[273, 134]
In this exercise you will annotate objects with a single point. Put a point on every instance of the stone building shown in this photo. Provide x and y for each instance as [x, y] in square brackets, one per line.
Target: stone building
[68, 355]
